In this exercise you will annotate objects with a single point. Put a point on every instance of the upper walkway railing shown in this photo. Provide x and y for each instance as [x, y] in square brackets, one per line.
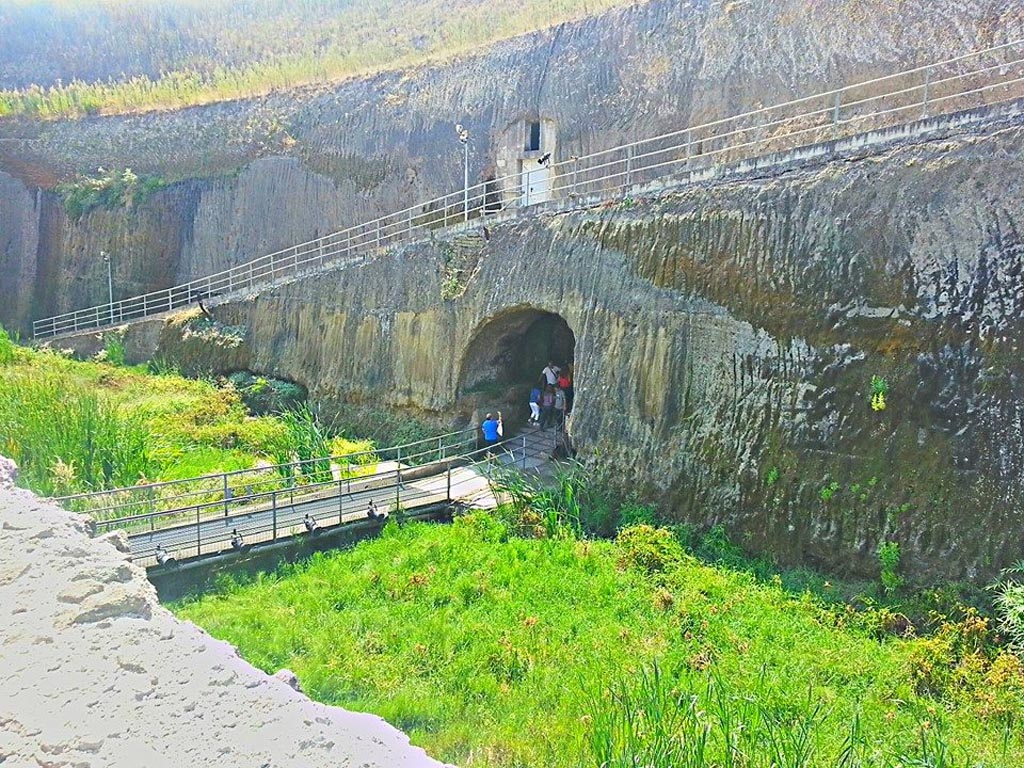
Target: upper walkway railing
[981, 78]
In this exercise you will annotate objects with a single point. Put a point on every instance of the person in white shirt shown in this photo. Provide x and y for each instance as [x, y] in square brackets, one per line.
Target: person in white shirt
[550, 374]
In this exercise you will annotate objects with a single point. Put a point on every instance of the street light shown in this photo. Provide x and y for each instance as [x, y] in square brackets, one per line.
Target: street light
[463, 134]
[110, 285]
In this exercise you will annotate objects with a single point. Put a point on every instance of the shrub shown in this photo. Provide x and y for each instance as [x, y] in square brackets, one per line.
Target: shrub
[889, 559]
[113, 345]
[650, 549]
[263, 395]
[1009, 602]
[6, 347]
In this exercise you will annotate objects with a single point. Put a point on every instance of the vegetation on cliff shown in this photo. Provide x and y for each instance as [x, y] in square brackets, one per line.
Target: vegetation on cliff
[165, 56]
[497, 649]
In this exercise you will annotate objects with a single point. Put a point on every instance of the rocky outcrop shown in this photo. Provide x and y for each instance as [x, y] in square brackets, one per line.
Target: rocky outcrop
[257, 175]
[726, 336]
[96, 673]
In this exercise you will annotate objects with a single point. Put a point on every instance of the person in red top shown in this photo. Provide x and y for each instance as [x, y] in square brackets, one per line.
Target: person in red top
[565, 384]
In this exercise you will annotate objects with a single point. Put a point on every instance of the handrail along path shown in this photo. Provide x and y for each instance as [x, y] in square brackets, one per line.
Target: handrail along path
[989, 76]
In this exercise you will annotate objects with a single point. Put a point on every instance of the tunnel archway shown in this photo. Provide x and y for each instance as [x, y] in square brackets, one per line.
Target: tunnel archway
[505, 357]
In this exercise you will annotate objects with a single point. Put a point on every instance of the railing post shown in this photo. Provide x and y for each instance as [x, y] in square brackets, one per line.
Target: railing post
[524, 452]
[689, 143]
[199, 534]
[927, 83]
[835, 115]
[398, 489]
[341, 503]
[273, 508]
[449, 491]
[348, 477]
[440, 449]
[629, 166]
[226, 497]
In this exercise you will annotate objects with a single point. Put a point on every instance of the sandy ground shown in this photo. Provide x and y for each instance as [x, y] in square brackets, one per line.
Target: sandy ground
[94, 672]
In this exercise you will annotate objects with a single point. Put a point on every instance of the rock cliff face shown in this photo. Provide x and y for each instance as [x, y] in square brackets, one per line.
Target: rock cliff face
[257, 175]
[726, 335]
[96, 673]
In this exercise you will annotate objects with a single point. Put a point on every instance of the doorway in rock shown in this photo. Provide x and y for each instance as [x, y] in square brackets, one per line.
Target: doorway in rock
[504, 360]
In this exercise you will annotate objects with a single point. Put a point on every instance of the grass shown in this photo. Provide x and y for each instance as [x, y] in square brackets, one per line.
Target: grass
[75, 427]
[497, 650]
[258, 49]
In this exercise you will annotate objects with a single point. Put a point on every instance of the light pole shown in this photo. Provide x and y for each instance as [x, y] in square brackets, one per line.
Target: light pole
[463, 134]
[110, 285]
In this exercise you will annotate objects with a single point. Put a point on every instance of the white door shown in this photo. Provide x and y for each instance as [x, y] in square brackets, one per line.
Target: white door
[536, 181]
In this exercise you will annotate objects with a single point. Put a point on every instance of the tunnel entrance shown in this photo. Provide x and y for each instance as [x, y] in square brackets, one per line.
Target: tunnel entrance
[505, 358]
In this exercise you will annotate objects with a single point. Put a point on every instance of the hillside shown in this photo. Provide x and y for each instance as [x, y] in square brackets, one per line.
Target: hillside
[97, 56]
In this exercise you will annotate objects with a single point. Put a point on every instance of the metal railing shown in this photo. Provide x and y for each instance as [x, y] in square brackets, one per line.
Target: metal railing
[218, 494]
[208, 528]
[981, 78]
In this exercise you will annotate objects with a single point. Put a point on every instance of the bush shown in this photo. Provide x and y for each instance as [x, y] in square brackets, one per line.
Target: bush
[1009, 602]
[6, 347]
[265, 395]
[889, 560]
[650, 549]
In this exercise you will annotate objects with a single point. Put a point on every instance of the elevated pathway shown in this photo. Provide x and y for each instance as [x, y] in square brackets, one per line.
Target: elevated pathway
[907, 105]
[200, 517]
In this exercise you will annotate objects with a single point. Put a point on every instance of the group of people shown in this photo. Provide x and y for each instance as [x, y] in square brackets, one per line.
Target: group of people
[551, 400]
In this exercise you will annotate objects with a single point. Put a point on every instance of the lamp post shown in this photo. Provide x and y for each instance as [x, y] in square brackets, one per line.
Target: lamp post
[463, 134]
[110, 285]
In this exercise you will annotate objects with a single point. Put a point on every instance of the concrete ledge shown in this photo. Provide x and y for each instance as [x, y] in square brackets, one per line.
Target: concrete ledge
[97, 673]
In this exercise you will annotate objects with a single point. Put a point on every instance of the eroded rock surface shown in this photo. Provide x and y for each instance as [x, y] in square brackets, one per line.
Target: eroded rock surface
[726, 336]
[94, 672]
[252, 176]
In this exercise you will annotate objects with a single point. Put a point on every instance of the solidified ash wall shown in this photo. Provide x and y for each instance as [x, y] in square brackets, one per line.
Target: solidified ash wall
[264, 173]
[727, 334]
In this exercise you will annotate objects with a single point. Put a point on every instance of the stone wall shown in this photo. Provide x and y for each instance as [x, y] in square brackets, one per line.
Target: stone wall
[726, 337]
[256, 175]
[96, 673]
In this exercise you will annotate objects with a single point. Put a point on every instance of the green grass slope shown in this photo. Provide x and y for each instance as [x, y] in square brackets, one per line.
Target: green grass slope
[494, 650]
[74, 427]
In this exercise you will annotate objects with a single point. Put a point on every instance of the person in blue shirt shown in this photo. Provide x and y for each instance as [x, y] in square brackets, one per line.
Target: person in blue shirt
[534, 406]
[491, 428]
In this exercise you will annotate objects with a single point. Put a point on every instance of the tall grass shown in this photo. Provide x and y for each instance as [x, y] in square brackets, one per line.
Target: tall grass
[494, 650]
[75, 427]
[67, 439]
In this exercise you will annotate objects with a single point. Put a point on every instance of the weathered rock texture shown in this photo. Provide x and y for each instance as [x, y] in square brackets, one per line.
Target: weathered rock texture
[726, 337]
[94, 672]
[262, 174]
